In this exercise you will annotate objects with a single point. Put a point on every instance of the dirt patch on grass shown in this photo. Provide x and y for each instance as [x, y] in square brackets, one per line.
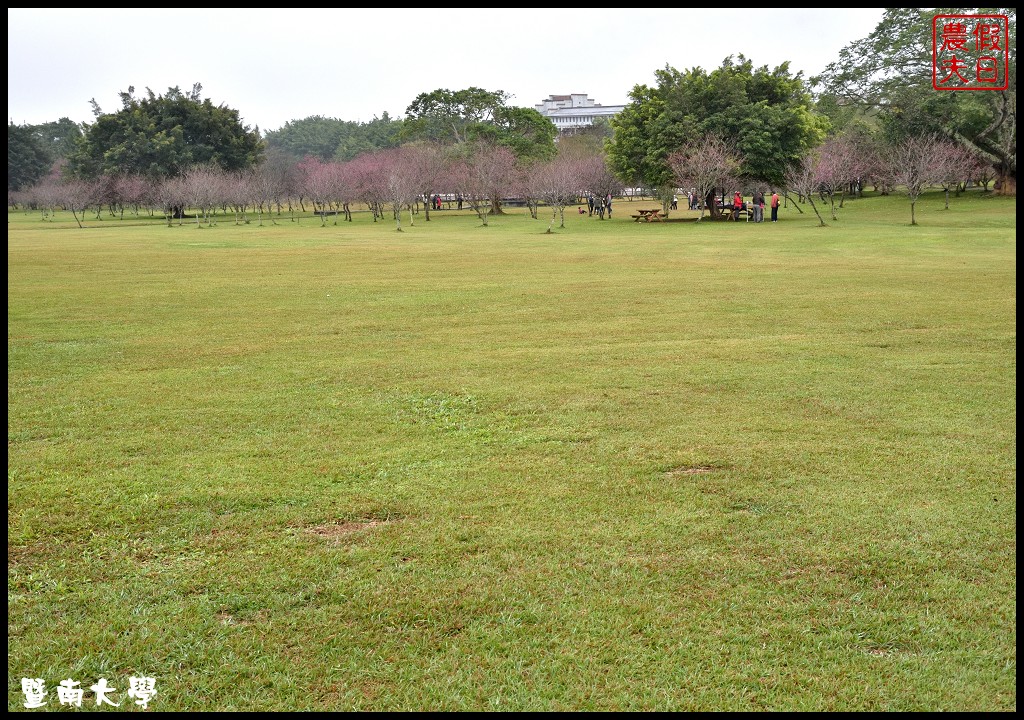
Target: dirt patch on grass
[344, 528]
[227, 618]
[691, 470]
[27, 554]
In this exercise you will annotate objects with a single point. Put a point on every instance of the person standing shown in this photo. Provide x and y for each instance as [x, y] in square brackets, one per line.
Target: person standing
[737, 205]
[758, 206]
[675, 203]
[590, 203]
[608, 205]
[775, 206]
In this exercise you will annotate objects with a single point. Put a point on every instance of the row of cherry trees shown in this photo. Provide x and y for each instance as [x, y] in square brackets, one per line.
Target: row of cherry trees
[389, 182]
[844, 164]
[396, 181]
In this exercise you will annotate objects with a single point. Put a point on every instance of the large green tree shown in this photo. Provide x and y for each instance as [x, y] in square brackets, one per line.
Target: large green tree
[381, 133]
[587, 140]
[160, 136]
[332, 139]
[457, 117]
[27, 158]
[766, 116]
[60, 138]
[888, 76]
[314, 136]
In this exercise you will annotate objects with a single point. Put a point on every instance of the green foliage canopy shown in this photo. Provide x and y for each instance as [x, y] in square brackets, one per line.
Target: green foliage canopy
[330, 138]
[159, 136]
[27, 159]
[60, 138]
[465, 116]
[889, 73]
[766, 115]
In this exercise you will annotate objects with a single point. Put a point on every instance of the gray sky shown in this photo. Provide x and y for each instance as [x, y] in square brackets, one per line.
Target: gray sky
[275, 65]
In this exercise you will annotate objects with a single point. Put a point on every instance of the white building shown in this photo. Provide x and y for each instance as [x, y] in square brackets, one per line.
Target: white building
[569, 112]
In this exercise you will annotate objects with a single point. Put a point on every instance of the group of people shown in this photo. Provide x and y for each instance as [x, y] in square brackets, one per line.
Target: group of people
[599, 205]
[756, 209]
[436, 203]
[693, 199]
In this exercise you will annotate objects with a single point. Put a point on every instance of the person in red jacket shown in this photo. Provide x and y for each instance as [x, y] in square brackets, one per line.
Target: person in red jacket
[737, 205]
[775, 206]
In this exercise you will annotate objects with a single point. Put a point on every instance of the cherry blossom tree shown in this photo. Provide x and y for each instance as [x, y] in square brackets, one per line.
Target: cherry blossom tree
[46, 196]
[556, 182]
[239, 193]
[105, 194]
[915, 164]
[956, 163]
[135, 191]
[704, 164]
[522, 187]
[368, 179]
[484, 176]
[264, 189]
[865, 159]
[597, 178]
[425, 165]
[398, 169]
[804, 178]
[204, 190]
[835, 168]
[78, 195]
[344, 188]
[172, 196]
[310, 165]
[281, 174]
[983, 174]
[315, 184]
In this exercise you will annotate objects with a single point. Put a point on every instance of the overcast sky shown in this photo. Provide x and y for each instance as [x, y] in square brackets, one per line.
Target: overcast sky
[275, 65]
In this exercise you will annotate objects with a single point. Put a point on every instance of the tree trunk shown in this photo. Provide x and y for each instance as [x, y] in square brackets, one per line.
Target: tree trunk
[810, 199]
[712, 206]
[787, 199]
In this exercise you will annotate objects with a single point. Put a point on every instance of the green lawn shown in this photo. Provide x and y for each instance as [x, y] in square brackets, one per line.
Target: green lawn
[715, 466]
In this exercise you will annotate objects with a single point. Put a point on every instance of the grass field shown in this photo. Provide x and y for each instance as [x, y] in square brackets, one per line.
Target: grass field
[716, 466]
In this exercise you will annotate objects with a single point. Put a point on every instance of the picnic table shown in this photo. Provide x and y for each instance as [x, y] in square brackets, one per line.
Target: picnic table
[728, 211]
[649, 216]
